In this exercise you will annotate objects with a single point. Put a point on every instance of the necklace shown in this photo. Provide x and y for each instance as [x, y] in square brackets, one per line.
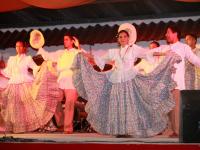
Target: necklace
[122, 57]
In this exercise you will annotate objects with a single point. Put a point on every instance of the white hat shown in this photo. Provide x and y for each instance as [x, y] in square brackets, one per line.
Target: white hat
[36, 39]
[131, 31]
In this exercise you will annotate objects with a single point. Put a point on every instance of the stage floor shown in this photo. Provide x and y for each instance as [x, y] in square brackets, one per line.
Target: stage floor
[82, 138]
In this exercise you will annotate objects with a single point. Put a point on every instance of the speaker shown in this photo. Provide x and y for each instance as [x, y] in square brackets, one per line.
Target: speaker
[190, 116]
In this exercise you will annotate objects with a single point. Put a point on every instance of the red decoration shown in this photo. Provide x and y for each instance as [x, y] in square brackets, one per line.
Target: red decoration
[188, 1]
[56, 4]
[12, 5]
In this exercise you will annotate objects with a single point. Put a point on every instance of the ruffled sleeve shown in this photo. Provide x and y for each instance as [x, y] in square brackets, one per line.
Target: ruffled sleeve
[144, 53]
[101, 61]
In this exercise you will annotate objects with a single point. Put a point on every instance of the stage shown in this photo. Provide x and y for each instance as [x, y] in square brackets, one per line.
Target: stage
[87, 141]
[86, 138]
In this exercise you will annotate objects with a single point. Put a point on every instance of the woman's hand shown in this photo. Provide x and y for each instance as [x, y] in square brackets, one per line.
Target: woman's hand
[161, 53]
[158, 54]
[111, 62]
[89, 57]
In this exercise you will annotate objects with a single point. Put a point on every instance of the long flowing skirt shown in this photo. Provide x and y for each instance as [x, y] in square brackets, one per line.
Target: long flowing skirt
[138, 107]
[189, 76]
[26, 107]
[3, 84]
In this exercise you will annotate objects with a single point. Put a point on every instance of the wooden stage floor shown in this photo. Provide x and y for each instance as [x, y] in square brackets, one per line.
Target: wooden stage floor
[82, 138]
[87, 141]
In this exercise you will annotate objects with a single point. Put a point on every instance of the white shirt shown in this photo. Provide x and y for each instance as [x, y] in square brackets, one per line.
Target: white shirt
[124, 58]
[64, 60]
[185, 52]
[17, 69]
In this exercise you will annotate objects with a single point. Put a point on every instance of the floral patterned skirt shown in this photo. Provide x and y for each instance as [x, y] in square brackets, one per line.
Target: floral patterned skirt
[138, 107]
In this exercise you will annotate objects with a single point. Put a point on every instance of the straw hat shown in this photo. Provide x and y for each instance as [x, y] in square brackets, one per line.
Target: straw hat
[36, 39]
[131, 30]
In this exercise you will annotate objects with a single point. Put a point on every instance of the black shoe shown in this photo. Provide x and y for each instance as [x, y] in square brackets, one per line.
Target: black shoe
[123, 136]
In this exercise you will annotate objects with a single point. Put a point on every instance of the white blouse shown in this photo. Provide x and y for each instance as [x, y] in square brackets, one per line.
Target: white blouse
[124, 58]
[17, 69]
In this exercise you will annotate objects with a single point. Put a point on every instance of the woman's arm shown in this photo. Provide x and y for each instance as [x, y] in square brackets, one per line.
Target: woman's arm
[6, 72]
[143, 53]
[148, 54]
[101, 61]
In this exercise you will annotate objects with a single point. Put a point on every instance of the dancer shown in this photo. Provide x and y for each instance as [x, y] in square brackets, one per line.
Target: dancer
[192, 73]
[64, 59]
[20, 112]
[185, 52]
[123, 102]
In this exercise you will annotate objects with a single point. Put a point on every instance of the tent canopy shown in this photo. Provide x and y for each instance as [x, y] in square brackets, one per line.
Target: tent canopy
[98, 21]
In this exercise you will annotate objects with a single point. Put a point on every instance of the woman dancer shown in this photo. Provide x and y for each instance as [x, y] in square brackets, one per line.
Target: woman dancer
[22, 112]
[123, 102]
